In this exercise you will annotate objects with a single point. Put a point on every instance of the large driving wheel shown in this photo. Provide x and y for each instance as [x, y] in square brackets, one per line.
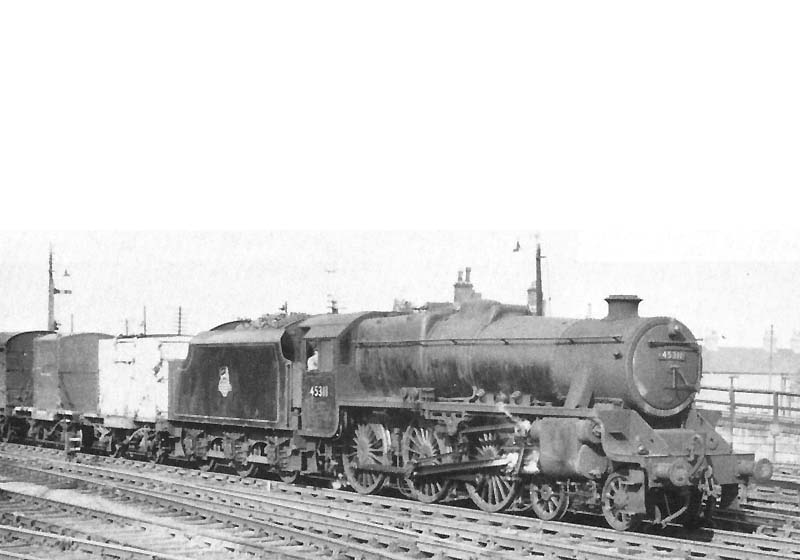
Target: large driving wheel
[549, 500]
[615, 498]
[368, 444]
[494, 489]
[423, 445]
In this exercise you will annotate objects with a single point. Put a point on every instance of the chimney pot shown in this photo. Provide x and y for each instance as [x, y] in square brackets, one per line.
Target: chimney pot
[468, 272]
[622, 307]
[460, 276]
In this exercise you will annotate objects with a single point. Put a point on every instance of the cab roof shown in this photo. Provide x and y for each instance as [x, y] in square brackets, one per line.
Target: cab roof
[333, 325]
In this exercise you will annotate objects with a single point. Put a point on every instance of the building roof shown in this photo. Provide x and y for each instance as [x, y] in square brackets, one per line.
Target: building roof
[750, 360]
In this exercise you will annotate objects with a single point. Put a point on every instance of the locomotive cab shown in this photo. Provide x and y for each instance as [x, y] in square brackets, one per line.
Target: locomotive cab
[330, 335]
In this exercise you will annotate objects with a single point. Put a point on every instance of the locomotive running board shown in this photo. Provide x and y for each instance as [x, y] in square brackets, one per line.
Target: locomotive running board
[435, 470]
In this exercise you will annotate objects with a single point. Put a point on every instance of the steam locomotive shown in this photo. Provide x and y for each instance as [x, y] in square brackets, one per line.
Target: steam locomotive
[480, 400]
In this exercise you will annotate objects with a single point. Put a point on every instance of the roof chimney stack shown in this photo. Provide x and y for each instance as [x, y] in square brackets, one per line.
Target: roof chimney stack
[622, 307]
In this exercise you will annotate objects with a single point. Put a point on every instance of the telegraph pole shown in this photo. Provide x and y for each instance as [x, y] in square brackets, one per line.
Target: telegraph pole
[52, 324]
[539, 292]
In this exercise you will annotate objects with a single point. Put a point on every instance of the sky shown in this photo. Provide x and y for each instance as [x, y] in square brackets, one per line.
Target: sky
[737, 284]
[224, 156]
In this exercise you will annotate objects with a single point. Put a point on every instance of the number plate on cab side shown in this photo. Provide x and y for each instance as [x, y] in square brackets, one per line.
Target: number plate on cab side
[675, 355]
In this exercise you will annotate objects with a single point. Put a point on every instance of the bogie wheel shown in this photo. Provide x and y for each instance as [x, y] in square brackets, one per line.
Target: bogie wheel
[367, 444]
[615, 499]
[730, 493]
[699, 512]
[549, 500]
[210, 464]
[422, 444]
[496, 489]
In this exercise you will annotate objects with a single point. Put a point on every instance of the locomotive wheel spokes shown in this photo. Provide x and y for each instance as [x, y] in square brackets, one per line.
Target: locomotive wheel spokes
[549, 501]
[210, 463]
[495, 490]
[615, 500]
[422, 444]
[368, 444]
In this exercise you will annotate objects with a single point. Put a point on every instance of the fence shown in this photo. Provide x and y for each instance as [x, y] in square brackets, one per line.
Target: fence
[757, 421]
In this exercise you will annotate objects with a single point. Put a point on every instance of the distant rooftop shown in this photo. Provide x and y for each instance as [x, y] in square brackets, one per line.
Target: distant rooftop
[750, 360]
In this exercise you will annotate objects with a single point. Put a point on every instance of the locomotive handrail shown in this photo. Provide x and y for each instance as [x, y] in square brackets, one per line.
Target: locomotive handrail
[612, 339]
[658, 344]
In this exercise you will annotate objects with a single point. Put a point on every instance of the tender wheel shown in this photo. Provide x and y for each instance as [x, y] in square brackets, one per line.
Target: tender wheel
[286, 475]
[421, 444]
[368, 444]
[615, 500]
[248, 469]
[211, 463]
[493, 490]
[549, 501]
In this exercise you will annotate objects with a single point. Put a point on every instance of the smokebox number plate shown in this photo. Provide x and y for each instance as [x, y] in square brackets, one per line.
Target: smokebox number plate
[678, 355]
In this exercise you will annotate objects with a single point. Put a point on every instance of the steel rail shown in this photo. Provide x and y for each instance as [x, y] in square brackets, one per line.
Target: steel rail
[27, 510]
[27, 538]
[355, 539]
[725, 545]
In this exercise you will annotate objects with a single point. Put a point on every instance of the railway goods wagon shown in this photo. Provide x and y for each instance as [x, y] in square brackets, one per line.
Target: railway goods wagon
[134, 374]
[65, 376]
[16, 369]
[16, 375]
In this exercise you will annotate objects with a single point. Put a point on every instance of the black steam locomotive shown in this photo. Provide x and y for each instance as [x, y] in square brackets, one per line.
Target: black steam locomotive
[481, 399]
[516, 410]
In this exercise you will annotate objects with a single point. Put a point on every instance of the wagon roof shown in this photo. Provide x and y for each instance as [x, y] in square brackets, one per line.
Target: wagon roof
[57, 336]
[334, 324]
[239, 336]
[6, 336]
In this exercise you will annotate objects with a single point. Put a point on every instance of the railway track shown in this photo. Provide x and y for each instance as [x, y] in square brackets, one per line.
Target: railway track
[374, 525]
[32, 526]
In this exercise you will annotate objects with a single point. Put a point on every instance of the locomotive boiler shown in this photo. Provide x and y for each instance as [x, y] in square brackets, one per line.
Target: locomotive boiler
[651, 365]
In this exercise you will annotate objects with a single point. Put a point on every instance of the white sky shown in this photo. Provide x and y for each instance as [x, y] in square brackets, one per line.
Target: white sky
[219, 276]
[635, 136]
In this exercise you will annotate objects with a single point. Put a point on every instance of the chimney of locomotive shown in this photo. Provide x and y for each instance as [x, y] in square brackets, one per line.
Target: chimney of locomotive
[622, 307]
